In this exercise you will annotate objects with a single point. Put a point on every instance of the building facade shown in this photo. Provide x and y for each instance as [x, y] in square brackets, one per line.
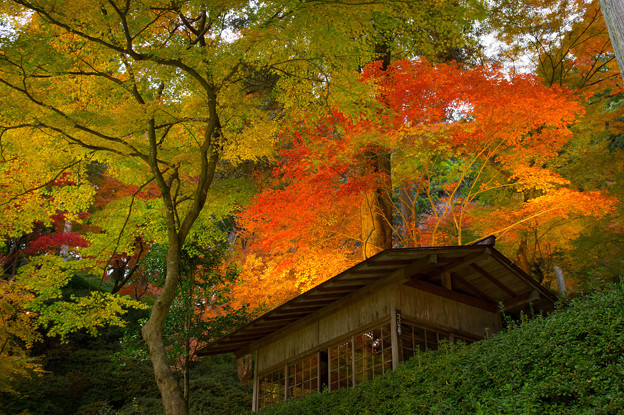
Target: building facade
[365, 321]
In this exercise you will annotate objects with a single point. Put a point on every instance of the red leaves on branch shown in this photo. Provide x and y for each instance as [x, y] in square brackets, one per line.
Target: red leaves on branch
[455, 133]
[53, 242]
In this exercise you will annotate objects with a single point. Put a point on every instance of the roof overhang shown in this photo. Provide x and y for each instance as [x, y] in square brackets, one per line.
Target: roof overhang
[477, 275]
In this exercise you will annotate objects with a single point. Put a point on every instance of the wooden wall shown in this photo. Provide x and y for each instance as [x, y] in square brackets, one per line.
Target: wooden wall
[346, 319]
[445, 313]
[359, 314]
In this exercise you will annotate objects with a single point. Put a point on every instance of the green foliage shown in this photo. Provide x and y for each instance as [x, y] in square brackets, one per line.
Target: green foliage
[83, 377]
[46, 276]
[571, 361]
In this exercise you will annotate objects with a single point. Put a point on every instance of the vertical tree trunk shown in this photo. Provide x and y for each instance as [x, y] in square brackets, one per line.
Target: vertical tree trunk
[64, 253]
[172, 397]
[376, 209]
[408, 217]
[522, 257]
[613, 12]
[561, 286]
[190, 314]
[177, 231]
[243, 367]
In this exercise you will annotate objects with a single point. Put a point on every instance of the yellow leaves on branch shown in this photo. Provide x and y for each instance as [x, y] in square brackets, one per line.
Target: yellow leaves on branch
[257, 141]
[45, 277]
[557, 209]
[530, 177]
[18, 332]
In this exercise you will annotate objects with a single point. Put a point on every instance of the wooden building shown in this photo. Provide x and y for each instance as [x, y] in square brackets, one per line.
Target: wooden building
[366, 320]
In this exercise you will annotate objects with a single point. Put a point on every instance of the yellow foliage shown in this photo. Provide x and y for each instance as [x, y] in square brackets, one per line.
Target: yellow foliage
[18, 332]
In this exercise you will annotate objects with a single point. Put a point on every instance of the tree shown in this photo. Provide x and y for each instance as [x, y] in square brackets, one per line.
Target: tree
[565, 42]
[464, 141]
[613, 11]
[157, 92]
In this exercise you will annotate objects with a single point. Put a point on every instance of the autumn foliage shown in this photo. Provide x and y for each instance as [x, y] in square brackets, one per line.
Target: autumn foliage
[460, 138]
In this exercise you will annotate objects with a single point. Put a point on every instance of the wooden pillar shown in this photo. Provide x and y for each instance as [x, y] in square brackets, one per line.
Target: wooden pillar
[286, 381]
[352, 361]
[329, 369]
[256, 385]
[447, 282]
[395, 337]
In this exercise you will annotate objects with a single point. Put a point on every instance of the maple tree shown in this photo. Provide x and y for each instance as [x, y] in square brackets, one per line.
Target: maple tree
[170, 93]
[460, 137]
[567, 43]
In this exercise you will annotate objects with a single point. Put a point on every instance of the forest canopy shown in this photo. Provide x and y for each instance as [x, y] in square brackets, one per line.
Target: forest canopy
[208, 161]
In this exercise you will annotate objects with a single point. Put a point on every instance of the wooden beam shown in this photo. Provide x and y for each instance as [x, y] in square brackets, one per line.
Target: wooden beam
[349, 281]
[474, 288]
[339, 288]
[310, 303]
[438, 250]
[285, 317]
[256, 385]
[418, 267]
[397, 277]
[301, 307]
[465, 261]
[250, 336]
[523, 276]
[521, 299]
[453, 295]
[388, 262]
[371, 271]
[493, 280]
[319, 296]
[267, 324]
[395, 328]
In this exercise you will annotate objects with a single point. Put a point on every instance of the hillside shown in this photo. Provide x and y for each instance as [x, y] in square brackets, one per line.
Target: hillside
[571, 361]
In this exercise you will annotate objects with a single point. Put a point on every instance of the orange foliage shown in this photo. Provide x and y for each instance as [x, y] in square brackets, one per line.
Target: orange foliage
[458, 136]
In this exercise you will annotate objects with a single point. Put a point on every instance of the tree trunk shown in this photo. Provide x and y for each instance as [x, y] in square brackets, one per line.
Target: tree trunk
[522, 257]
[172, 397]
[408, 217]
[64, 253]
[613, 12]
[376, 208]
[243, 366]
[188, 322]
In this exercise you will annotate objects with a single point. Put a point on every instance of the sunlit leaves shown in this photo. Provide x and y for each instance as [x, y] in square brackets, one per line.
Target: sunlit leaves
[565, 42]
[460, 137]
[46, 276]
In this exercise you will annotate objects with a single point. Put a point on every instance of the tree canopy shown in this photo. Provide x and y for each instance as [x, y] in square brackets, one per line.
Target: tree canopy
[167, 152]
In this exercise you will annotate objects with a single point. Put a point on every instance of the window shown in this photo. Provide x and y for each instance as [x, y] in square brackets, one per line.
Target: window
[365, 356]
[271, 390]
[303, 377]
[372, 353]
[416, 339]
[340, 366]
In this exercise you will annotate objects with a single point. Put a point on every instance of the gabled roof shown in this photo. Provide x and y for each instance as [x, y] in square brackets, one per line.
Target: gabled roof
[481, 277]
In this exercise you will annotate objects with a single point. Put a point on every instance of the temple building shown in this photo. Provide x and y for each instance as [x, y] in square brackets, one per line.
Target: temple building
[366, 320]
